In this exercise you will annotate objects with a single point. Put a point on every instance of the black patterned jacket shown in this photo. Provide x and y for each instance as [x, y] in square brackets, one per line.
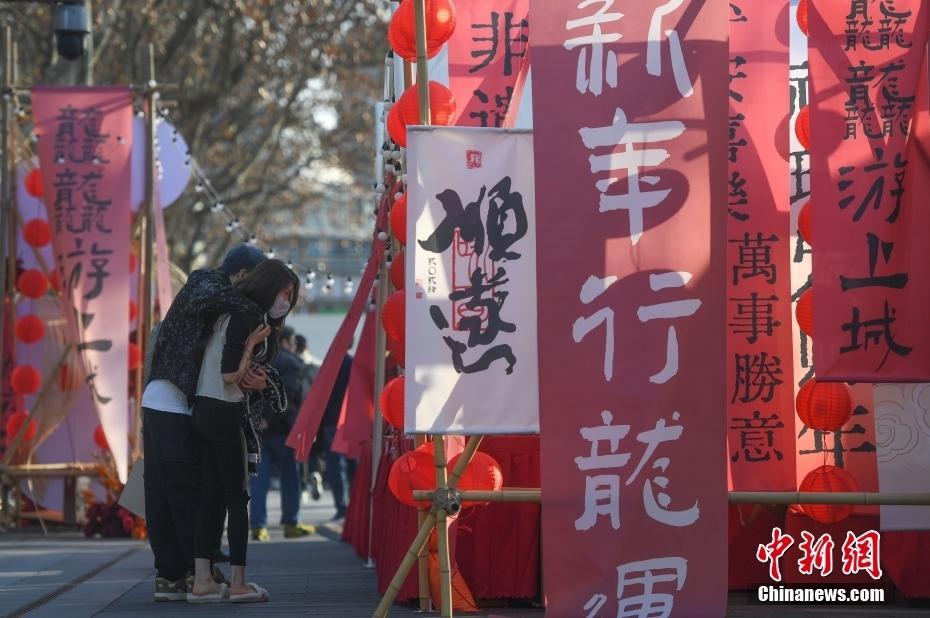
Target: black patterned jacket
[179, 347]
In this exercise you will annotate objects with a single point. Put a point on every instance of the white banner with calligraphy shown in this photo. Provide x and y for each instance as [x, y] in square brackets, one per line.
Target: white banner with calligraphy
[471, 282]
[84, 146]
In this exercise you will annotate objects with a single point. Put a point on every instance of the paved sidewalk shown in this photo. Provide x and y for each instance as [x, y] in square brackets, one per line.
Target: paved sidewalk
[70, 576]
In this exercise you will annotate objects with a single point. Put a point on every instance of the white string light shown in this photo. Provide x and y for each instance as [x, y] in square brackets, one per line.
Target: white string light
[233, 224]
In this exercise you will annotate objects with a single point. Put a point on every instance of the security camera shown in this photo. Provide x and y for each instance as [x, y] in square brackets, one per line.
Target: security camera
[71, 26]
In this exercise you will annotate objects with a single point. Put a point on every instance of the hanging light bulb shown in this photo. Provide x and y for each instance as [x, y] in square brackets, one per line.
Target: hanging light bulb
[253, 240]
[229, 227]
[217, 207]
[199, 187]
[270, 254]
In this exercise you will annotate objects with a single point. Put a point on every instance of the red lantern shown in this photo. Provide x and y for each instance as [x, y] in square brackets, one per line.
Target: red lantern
[441, 105]
[393, 315]
[30, 329]
[26, 380]
[396, 128]
[397, 272]
[805, 223]
[831, 479]
[826, 406]
[15, 422]
[481, 474]
[133, 311]
[802, 127]
[100, 438]
[440, 24]
[414, 470]
[399, 219]
[802, 17]
[804, 312]
[398, 351]
[37, 232]
[392, 402]
[54, 280]
[135, 357]
[32, 283]
[34, 186]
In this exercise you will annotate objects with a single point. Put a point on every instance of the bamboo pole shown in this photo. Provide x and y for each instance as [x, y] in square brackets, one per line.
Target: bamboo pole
[856, 498]
[404, 569]
[860, 498]
[145, 319]
[442, 532]
[6, 162]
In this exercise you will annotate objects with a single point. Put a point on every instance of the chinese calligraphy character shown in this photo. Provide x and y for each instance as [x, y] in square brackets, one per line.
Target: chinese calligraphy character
[591, 74]
[626, 135]
[816, 554]
[862, 553]
[773, 551]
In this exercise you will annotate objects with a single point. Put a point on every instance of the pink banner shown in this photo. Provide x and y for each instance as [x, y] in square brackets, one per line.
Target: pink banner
[84, 146]
[162, 260]
[487, 53]
[870, 178]
[358, 407]
[630, 113]
[759, 344]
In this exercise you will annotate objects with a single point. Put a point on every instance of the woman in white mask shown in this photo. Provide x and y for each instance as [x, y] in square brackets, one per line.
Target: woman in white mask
[239, 340]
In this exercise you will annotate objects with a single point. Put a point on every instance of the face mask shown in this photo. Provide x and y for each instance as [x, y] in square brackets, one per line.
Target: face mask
[280, 308]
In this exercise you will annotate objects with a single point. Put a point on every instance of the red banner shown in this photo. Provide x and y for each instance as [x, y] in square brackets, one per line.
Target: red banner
[84, 145]
[759, 341]
[869, 123]
[487, 53]
[630, 113]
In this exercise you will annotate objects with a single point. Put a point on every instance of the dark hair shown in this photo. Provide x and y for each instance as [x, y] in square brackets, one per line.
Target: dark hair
[301, 343]
[242, 257]
[263, 284]
[286, 334]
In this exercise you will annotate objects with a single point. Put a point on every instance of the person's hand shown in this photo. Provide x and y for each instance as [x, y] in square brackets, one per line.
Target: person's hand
[258, 335]
[263, 425]
[255, 379]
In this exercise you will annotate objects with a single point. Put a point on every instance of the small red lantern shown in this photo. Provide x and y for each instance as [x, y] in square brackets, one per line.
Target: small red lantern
[802, 127]
[393, 315]
[100, 438]
[392, 402]
[828, 479]
[804, 312]
[396, 272]
[414, 470]
[805, 223]
[482, 473]
[37, 232]
[826, 406]
[15, 422]
[26, 380]
[396, 128]
[29, 329]
[32, 283]
[440, 24]
[34, 186]
[398, 351]
[133, 311]
[802, 17]
[135, 357]
[399, 219]
[441, 105]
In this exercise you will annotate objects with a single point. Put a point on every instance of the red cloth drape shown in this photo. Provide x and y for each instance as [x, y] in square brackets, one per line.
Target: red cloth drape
[497, 546]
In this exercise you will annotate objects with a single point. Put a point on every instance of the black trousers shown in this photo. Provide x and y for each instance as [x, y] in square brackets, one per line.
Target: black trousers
[224, 478]
[172, 490]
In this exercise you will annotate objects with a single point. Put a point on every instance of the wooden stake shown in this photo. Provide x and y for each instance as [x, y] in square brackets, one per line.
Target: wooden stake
[404, 569]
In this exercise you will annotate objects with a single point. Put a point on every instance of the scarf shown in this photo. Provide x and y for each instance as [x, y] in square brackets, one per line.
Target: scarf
[254, 405]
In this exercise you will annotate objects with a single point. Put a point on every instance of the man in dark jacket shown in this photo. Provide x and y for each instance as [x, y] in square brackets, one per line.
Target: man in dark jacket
[274, 451]
[172, 460]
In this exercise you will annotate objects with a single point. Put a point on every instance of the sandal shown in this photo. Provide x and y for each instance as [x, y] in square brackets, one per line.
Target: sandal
[258, 595]
[216, 597]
